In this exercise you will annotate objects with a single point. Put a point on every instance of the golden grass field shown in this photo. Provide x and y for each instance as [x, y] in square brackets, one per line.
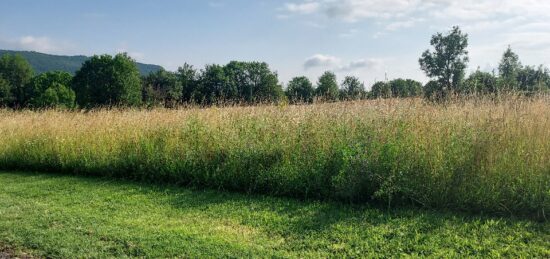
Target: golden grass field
[475, 154]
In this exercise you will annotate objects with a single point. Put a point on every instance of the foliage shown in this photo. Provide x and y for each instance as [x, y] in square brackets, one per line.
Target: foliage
[381, 90]
[108, 81]
[447, 62]
[509, 69]
[212, 86]
[187, 76]
[533, 79]
[402, 88]
[17, 72]
[50, 90]
[254, 81]
[244, 82]
[481, 83]
[162, 88]
[352, 89]
[327, 87]
[6, 96]
[397, 88]
[300, 90]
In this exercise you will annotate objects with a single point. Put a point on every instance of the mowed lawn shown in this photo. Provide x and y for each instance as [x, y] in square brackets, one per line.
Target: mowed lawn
[68, 216]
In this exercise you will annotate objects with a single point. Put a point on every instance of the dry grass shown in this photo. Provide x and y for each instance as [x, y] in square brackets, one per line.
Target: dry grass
[476, 154]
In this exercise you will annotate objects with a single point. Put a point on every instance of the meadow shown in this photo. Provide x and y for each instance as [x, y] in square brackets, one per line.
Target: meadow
[479, 155]
[58, 216]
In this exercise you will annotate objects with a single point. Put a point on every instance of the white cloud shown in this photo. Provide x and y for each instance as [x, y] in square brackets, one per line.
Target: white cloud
[336, 64]
[403, 24]
[34, 43]
[320, 60]
[362, 64]
[302, 8]
[348, 34]
[391, 10]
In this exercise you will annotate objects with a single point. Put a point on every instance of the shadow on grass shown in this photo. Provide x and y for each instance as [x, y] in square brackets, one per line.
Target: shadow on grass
[291, 217]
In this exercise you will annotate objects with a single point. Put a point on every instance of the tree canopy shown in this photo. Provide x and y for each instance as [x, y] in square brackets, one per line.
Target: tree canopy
[327, 87]
[16, 73]
[162, 88]
[352, 88]
[447, 62]
[509, 69]
[51, 90]
[300, 90]
[106, 81]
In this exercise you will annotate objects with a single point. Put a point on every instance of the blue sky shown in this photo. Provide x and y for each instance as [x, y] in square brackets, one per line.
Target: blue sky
[365, 38]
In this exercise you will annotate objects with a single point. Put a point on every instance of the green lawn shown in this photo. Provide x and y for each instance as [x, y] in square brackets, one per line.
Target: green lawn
[67, 216]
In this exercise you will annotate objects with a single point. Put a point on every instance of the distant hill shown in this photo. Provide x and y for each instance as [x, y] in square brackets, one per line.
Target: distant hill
[45, 62]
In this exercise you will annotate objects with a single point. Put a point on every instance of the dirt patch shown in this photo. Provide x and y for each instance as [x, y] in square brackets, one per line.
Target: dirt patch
[7, 253]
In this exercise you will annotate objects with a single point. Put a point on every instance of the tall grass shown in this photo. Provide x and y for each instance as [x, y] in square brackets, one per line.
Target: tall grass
[478, 155]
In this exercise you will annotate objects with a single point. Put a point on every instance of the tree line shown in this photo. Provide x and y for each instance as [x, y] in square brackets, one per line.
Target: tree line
[115, 81]
[105, 81]
[446, 64]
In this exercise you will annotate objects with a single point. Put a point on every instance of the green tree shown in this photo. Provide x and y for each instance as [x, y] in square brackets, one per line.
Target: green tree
[533, 79]
[327, 87]
[17, 72]
[405, 88]
[50, 90]
[432, 91]
[481, 83]
[105, 80]
[352, 88]
[187, 77]
[380, 90]
[261, 84]
[6, 97]
[300, 90]
[447, 62]
[509, 69]
[211, 85]
[162, 88]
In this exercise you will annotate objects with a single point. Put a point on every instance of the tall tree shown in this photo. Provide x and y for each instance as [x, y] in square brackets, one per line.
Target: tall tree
[212, 82]
[17, 72]
[162, 88]
[300, 90]
[447, 62]
[533, 79]
[263, 84]
[352, 88]
[380, 90]
[6, 97]
[327, 87]
[51, 90]
[105, 80]
[509, 69]
[188, 78]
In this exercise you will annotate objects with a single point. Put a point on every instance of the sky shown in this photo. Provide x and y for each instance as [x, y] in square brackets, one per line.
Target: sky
[370, 39]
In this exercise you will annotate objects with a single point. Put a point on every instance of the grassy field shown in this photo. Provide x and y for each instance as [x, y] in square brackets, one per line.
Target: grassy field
[475, 155]
[69, 216]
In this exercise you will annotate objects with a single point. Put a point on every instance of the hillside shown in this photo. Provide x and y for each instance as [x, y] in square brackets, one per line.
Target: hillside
[45, 62]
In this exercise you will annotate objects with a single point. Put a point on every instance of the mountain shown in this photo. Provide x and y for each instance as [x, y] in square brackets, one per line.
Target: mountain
[45, 62]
